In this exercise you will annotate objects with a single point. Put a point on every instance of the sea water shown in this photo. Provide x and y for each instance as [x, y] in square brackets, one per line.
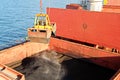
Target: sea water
[17, 15]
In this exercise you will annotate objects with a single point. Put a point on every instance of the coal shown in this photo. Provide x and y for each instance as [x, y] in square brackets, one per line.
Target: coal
[45, 66]
[42, 66]
[81, 69]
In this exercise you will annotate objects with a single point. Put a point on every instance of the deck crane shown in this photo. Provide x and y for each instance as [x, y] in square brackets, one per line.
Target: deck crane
[42, 29]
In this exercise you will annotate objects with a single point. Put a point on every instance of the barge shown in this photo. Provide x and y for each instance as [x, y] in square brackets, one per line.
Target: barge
[80, 33]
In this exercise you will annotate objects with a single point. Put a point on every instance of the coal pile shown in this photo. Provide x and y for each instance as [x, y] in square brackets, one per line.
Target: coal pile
[43, 66]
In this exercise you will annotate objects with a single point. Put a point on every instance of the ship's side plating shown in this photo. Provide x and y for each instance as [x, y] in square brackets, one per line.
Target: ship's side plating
[88, 34]
[79, 33]
[100, 28]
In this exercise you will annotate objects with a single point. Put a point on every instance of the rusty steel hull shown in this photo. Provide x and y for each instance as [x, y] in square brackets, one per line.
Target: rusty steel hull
[7, 73]
[97, 56]
[76, 50]
[21, 51]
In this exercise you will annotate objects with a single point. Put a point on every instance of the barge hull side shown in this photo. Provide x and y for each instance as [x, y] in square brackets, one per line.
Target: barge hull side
[97, 56]
[20, 52]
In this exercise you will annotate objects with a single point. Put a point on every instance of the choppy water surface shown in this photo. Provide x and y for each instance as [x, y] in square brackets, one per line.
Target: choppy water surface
[17, 15]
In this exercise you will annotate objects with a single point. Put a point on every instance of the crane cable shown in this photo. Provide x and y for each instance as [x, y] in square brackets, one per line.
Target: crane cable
[40, 6]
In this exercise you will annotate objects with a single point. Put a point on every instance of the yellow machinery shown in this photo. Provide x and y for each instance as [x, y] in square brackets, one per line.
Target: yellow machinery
[105, 2]
[42, 29]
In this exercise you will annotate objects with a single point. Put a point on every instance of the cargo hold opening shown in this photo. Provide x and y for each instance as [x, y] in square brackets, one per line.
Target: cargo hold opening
[70, 68]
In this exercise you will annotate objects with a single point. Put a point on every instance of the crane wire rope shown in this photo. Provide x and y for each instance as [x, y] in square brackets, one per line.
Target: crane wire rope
[41, 6]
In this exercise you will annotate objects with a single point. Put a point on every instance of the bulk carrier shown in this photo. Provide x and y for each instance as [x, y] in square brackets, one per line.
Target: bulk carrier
[89, 31]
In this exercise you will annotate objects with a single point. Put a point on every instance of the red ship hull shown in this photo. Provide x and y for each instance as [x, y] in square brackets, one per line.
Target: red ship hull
[100, 28]
[113, 2]
[97, 56]
[76, 26]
